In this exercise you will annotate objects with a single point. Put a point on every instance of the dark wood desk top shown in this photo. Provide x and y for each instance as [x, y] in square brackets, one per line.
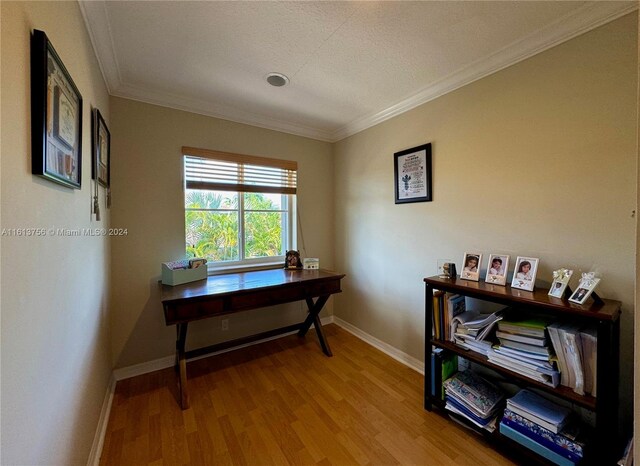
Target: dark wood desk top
[234, 283]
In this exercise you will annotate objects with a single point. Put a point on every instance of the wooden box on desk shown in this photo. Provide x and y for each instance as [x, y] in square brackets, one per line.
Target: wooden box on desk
[179, 276]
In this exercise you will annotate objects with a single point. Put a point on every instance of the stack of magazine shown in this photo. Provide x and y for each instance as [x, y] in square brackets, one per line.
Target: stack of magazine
[470, 330]
[542, 426]
[470, 396]
[525, 349]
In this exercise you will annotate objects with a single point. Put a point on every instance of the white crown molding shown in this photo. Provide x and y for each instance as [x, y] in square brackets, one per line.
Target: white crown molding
[96, 18]
[223, 112]
[584, 19]
[588, 17]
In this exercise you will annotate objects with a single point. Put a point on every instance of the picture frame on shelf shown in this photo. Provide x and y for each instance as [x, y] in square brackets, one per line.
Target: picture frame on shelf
[412, 170]
[471, 266]
[56, 116]
[524, 274]
[497, 269]
[101, 150]
[561, 278]
[587, 285]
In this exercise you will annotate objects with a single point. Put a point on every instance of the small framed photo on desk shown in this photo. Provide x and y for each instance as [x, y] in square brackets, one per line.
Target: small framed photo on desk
[292, 260]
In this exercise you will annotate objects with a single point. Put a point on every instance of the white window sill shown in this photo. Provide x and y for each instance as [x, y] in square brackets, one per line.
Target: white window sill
[222, 269]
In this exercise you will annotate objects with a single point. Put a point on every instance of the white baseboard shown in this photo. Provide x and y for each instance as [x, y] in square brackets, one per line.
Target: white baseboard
[386, 348]
[143, 368]
[98, 440]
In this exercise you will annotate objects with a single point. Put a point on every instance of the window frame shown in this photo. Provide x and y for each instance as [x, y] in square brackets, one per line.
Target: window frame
[287, 207]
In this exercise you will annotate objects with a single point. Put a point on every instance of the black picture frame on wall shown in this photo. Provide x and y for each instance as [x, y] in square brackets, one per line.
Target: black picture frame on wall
[101, 150]
[412, 170]
[56, 116]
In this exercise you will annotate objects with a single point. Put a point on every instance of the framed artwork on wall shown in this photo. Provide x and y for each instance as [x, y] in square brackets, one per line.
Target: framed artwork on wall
[412, 169]
[56, 116]
[101, 166]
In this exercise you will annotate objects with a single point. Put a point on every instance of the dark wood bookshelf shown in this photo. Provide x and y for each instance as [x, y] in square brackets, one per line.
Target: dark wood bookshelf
[603, 313]
[600, 309]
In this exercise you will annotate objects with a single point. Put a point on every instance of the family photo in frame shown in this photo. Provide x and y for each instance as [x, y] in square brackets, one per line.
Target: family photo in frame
[471, 266]
[497, 269]
[292, 260]
[561, 279]
[585, 289]
[524, 275]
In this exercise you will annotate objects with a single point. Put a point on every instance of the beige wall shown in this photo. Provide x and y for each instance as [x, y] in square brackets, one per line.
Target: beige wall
[538, 160]
[55, 358]
[636, 365]
[148, 200]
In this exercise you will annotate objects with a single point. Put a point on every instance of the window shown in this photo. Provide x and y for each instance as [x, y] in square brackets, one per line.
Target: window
[239, 209]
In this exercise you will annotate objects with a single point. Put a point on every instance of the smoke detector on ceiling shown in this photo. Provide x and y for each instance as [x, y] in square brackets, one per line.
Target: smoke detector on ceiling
[277, 79]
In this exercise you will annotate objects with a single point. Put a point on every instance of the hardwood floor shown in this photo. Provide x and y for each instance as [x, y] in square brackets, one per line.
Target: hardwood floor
[284, 402]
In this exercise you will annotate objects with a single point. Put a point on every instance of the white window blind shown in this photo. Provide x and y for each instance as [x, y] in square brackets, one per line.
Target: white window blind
[223, 171]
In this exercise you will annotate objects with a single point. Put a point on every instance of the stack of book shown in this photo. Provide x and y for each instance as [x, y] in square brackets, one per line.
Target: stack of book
[525, 349]
[446, 306]
[470, 330]
[470, 396]
[576, 349]
[542, 426]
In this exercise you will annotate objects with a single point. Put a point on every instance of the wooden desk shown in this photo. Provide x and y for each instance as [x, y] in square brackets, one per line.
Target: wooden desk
[236, 292]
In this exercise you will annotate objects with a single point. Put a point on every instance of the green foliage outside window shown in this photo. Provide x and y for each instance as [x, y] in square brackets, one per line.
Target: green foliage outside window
[212, 226]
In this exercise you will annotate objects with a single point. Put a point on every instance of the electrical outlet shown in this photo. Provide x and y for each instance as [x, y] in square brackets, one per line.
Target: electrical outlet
[225, 325]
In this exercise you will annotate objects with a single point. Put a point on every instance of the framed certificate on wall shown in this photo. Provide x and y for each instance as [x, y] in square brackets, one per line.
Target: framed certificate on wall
[412, 169]
[56, 117]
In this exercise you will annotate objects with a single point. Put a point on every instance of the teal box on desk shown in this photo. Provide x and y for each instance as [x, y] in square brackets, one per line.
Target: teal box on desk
[175, 277]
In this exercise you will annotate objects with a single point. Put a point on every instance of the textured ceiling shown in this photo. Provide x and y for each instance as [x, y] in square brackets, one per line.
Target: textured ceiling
[351, 64]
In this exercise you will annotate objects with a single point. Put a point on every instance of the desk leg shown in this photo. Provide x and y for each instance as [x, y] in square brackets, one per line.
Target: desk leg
[181, 363]
[313, 318]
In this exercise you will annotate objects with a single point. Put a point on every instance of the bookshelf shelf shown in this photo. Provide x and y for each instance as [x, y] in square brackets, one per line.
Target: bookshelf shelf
[604, 313]
[567, 393]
